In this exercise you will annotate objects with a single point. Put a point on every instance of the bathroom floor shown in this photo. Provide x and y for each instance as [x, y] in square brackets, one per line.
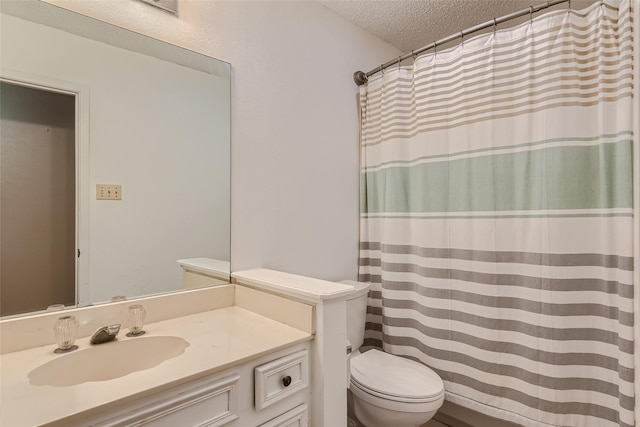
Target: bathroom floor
[432, 423]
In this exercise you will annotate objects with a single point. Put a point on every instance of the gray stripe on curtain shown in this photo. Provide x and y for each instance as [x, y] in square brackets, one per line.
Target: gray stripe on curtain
[541, 283]
[558, 334]
[534, 258]
[516, 395]
[627, 402]
[548, 309]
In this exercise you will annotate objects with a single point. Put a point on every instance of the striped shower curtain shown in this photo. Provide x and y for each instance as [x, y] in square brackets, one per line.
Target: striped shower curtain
[497, 217]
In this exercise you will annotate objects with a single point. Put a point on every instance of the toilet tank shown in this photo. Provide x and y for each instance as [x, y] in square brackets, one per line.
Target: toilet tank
[356, 313]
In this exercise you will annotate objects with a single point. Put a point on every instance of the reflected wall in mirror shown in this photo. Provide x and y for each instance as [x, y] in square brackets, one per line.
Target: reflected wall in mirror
[148, 116]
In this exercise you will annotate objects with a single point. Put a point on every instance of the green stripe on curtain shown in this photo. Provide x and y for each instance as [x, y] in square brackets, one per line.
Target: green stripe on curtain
[592, 177]
[489, 150]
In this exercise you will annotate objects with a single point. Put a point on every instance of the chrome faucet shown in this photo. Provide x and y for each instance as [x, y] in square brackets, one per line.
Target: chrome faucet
[105, 334]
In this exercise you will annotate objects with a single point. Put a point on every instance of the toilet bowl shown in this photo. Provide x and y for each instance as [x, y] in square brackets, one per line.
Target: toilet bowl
[390, 391]
[387, 390]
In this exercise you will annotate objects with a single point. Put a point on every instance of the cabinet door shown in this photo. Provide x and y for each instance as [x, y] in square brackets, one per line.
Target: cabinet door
[205, 403]
[297, 417]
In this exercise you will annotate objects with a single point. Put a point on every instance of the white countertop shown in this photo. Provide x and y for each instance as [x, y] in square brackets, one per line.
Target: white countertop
[292, 285]
[219, 339]
[207, 266]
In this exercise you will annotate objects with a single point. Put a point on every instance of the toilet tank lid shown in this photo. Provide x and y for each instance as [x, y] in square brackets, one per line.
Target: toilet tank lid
[361, 288]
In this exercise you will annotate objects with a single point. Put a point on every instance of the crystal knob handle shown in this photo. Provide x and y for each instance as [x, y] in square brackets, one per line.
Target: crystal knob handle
[137, 315]
[65, 331]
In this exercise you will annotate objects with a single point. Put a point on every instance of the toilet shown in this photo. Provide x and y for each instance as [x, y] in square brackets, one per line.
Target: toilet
[387, 390]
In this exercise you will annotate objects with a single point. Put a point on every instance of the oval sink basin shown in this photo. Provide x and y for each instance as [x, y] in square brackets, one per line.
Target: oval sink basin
[107, 361]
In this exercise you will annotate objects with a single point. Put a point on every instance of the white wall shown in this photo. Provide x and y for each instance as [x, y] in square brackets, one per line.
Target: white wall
[294, 121]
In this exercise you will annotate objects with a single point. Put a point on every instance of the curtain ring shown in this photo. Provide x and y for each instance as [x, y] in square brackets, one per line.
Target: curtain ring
[495, 25]
[413, 55]
[435, 47]
[461, 38]
[530, 13]
[382, 69]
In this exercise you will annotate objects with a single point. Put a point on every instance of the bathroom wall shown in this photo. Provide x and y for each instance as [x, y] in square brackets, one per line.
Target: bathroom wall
[294, 121]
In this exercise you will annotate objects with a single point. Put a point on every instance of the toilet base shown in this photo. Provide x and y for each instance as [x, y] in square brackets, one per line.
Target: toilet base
[373, 416]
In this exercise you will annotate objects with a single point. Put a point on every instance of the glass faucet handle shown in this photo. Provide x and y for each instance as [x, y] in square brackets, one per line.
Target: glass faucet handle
[65, 330]
[137, 315]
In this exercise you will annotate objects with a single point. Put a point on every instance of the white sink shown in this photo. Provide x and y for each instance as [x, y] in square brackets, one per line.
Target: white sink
[107, 361]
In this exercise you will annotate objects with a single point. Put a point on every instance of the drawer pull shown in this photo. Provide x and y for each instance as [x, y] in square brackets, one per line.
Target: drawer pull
[286, 381]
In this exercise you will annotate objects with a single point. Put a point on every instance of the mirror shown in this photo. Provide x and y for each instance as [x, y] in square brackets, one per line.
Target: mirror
[151, 126]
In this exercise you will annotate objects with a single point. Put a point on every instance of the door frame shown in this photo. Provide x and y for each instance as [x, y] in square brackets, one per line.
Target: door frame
[82, 177]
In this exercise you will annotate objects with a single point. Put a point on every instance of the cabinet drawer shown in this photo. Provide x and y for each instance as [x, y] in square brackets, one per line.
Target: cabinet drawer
[297, 417]
[281, 378]
[209, 402]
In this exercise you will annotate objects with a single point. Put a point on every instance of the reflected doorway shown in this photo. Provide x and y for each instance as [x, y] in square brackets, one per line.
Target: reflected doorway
[38, 248]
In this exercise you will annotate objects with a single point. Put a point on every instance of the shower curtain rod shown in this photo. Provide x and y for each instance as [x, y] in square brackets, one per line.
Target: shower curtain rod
[361, 78]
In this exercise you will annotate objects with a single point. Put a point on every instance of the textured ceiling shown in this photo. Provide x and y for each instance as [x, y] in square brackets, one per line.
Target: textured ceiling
[412, 24]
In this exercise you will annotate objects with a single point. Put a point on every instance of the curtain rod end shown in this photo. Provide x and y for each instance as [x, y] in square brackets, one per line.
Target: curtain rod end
[360, 78]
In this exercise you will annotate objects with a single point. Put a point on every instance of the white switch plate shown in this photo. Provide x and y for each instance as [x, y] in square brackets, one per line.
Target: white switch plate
[108, 192]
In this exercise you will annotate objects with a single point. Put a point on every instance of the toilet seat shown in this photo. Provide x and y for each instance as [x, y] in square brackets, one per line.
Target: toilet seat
[404, 380]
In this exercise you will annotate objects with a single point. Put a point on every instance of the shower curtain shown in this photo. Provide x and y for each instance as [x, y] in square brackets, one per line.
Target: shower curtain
[497, 217]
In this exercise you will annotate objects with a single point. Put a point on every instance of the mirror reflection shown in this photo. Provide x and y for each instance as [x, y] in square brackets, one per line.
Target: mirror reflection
[114, 165]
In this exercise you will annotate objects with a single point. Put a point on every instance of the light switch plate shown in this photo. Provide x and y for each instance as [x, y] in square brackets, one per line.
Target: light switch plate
[108, 192]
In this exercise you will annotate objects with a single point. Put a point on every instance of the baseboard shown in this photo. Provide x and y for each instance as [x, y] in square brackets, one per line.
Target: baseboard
[457, 416]
[450, 421]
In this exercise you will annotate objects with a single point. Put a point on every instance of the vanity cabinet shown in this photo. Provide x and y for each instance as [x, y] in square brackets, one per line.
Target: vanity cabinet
[212, 401]
[255, 359]
[228, 398]
[297, 417]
